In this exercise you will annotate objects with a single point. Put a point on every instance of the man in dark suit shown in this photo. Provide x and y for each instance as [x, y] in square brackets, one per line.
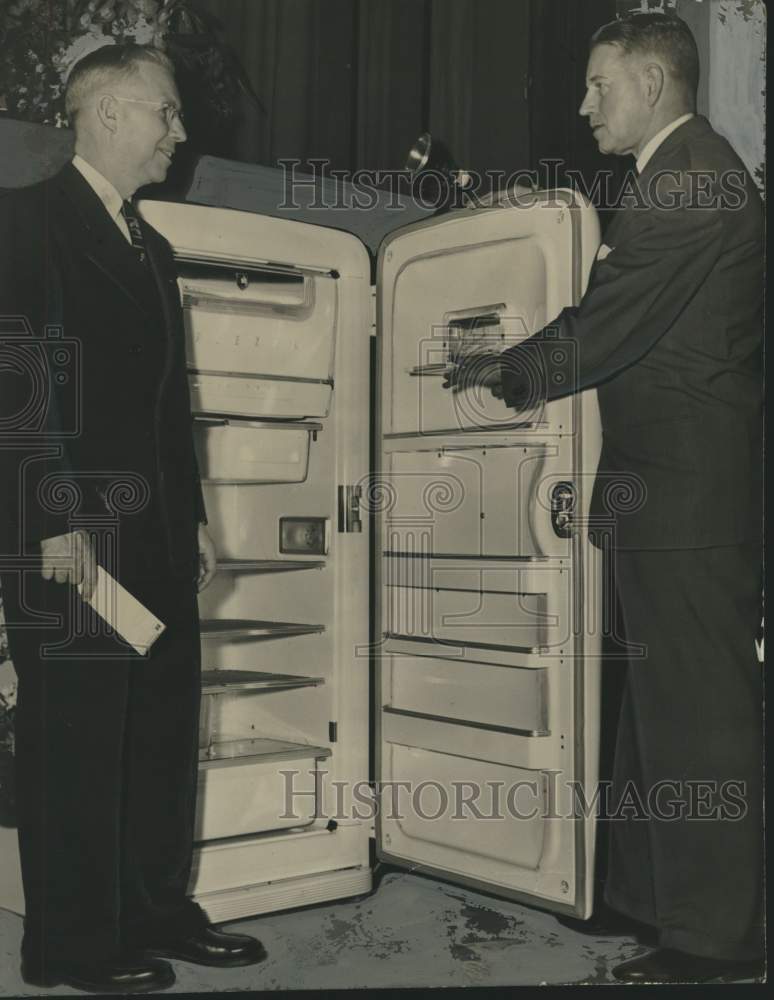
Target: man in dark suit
[669, 331]
[98, 467]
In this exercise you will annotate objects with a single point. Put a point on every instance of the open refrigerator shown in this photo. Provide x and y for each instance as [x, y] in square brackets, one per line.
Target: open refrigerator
[400, 649]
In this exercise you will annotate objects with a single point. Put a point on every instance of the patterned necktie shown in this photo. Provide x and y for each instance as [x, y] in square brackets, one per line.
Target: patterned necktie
[135, 230]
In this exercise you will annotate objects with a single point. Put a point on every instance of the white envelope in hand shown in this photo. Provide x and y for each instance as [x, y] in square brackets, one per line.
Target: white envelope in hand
[124, 613]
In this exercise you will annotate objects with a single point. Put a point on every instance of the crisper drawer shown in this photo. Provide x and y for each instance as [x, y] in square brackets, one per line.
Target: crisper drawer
[507, 696]
[241, 796]
[252, 451]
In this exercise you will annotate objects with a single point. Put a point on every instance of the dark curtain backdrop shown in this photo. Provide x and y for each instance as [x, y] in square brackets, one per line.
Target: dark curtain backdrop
[355, 81]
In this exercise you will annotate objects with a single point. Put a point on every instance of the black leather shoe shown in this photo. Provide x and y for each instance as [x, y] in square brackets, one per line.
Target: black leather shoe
[605, 923]
[665, 965]
[210, 947]
[126, 975]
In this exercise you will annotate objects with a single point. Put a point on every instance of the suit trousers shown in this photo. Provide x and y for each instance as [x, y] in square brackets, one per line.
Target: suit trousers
[686, 826]
[107, 758]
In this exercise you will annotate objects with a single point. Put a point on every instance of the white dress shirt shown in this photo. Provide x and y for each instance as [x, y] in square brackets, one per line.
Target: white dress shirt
[105, 191]
[651, 146]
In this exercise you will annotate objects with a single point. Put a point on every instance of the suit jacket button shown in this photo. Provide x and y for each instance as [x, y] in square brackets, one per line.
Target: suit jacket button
[135, 349]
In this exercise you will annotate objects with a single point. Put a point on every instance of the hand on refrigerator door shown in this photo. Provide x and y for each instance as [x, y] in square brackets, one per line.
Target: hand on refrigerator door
[478, 369]
[207, 559]
[70, 558]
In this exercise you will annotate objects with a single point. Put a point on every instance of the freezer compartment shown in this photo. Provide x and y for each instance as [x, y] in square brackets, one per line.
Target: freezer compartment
[242, 789]
[253, 452]
[512, 697]
[259, 341]
[255, 321]
[503, 822]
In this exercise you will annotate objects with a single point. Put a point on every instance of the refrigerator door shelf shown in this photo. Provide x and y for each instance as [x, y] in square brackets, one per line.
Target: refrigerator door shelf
[235, 681]
[510, 831]
[488, 694]
[477, 741]
[476, 615]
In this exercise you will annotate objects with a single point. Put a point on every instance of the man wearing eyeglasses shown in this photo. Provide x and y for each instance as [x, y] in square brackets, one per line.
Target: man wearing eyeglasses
[107, 739]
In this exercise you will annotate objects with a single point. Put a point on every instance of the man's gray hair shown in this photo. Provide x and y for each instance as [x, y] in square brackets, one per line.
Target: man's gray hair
[103, 67]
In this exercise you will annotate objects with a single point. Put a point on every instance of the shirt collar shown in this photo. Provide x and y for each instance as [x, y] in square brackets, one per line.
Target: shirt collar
[651, 147]
[102, 187]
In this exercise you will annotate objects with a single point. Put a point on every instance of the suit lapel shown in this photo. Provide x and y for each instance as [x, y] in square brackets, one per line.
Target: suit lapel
[91, 231]
[160, 281]
[627, 216]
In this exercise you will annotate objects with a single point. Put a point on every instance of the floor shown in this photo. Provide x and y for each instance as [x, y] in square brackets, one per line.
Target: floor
[411, 932]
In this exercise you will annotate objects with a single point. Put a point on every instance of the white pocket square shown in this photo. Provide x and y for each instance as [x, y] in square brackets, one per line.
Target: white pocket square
[603, 251]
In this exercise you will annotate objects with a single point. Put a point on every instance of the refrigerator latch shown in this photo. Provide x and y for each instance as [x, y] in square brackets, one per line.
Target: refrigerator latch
[563, 503]
[349, 508]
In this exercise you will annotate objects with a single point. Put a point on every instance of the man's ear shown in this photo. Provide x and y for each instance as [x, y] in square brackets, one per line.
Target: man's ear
[107, 112]
[654, 82]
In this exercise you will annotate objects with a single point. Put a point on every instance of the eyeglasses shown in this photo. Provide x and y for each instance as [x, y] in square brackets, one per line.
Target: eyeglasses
[169, 111]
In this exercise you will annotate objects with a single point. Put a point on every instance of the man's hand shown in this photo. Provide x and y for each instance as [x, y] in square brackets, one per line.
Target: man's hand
[207, 559]
[70, 558]
[478, 369]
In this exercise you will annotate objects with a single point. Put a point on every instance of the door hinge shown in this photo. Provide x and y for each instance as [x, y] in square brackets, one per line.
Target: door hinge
[373, 310]
[349, 508]
[374, 807]
[333, 732]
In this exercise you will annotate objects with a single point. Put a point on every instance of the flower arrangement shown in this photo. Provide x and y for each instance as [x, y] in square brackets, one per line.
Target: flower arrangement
[42, 41]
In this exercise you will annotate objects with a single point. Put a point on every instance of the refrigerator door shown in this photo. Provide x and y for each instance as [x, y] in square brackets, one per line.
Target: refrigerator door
[490, 605]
